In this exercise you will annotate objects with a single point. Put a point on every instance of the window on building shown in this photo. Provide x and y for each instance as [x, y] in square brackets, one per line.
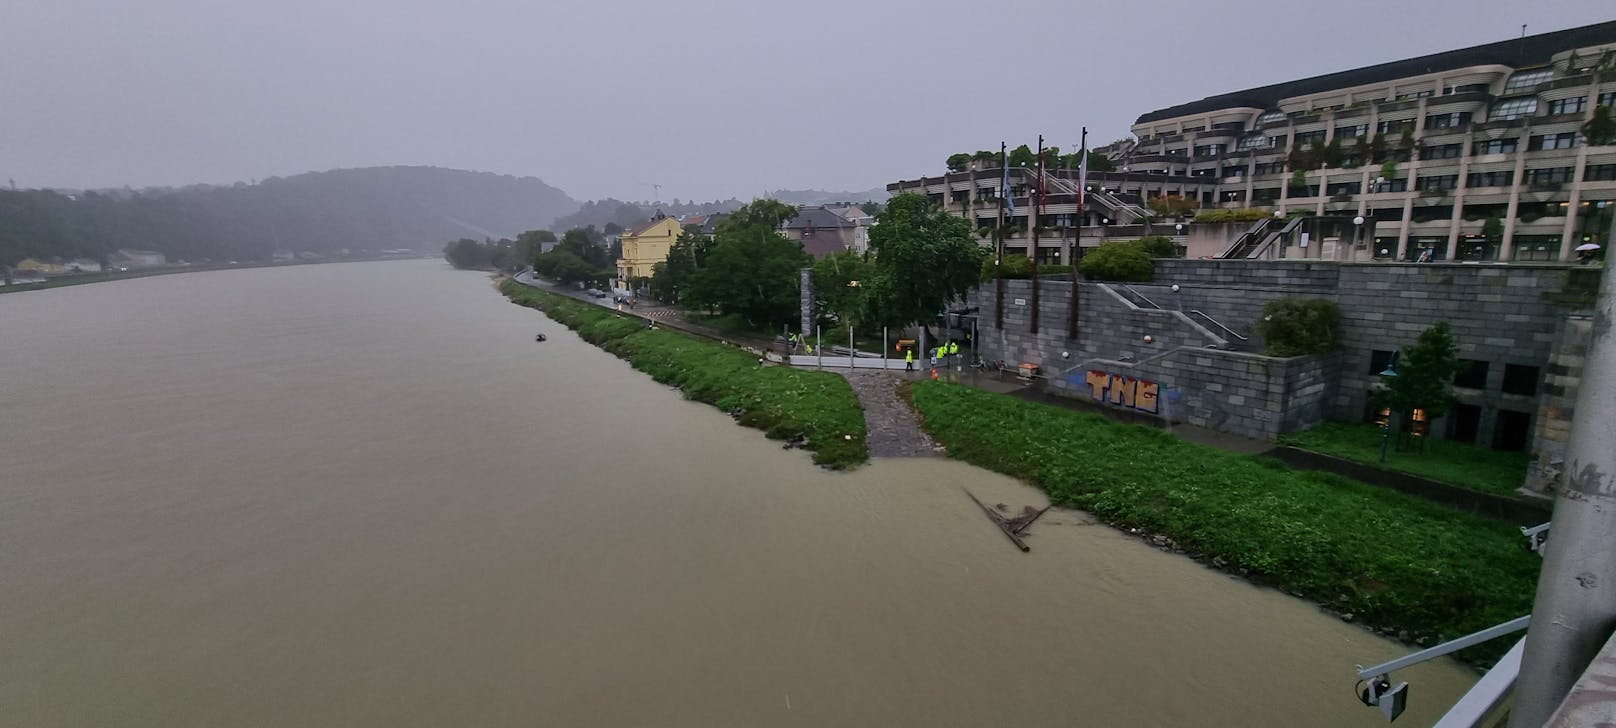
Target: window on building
[1550, 175]
[1512, 430]
[1499, 178]
[1599, 172]
[1437, 182]
[1189, 129]
[1471, 374]
[1351, 132]
[1452, 120]
[1536, 248]
[1431, 213]
[1268, 168]
[1528, 80]
[1306, 138]
[1607, 98]
[1264, 194]
[960, 196]
[1379, 359]
[1515, 108]
[1497, 146]
[1209, 150]
[1520, 379]
[1271, 117]
[1394, 185]
[1442, 151]
[1278, 141]
[1415, 95]
[1254, 141]
[1344, 188]
[1234, 172]
[1563, 140]
[1465, 89]
[1394, 126]
[1568, 106]
[987, 193]
[1179, 152]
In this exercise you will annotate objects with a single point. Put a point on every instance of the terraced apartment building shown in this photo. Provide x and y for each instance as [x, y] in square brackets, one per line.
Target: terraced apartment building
[1426, 150]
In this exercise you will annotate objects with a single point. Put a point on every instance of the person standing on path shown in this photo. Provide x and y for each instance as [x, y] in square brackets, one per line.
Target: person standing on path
[908, 360]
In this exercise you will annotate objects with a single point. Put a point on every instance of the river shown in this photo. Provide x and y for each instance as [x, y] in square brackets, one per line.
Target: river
[362, 495]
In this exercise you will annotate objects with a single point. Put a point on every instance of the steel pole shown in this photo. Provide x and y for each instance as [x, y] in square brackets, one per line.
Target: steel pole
[1575, 607]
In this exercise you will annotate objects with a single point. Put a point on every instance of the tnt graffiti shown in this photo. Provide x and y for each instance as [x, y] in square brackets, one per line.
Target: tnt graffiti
[1123, 391]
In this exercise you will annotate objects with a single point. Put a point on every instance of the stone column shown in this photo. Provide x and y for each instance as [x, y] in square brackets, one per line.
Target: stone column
[807, 323]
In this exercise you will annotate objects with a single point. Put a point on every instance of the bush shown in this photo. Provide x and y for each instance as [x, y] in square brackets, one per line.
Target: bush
[1158, 246]
[1246, 214]
[1015, 266]
[1299, 326]
[1122, 261]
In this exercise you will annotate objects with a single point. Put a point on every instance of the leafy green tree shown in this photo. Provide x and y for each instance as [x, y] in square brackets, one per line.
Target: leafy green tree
[1600, 129]
[1172, 205]
[923, 258]
[1023, 156]
[1388, 170]
[958, 162]
[1493, 230]
[1118, 261]
[872, 208]
[1014, 266]
[1377, 148]
[468, 253]
[839, 285]
[752, 270]
[671, 277]
[1424, 375]
[1298, 326]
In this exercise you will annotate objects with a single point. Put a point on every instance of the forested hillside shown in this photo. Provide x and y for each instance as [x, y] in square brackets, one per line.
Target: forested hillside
[368, 209]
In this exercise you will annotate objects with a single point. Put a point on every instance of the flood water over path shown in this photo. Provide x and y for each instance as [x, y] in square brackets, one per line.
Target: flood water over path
[361, 494]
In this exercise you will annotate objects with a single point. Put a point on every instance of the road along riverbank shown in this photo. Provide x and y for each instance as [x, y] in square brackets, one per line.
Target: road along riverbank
[1398, 564]
[817, 410]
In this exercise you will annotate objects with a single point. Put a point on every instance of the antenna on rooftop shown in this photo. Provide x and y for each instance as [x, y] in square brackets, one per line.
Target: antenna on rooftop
[1523, 30]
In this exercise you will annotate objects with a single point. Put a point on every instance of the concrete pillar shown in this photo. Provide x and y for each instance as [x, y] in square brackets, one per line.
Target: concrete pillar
[1568, 233]
[807, 322]
[1505, 248]
[1575, 606]
[1402, 236]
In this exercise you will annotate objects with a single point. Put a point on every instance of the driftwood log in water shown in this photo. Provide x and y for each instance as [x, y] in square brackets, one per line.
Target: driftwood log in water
[1013, 528]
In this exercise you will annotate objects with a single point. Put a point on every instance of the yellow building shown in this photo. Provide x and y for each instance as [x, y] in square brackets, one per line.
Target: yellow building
[645, 245]
[35, 265]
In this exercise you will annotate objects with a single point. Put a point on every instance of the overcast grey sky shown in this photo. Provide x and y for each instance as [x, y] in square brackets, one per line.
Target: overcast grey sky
[707, 99]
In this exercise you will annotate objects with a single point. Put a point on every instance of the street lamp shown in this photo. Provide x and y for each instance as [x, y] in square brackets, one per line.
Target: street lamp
[1386, 431]
[1357, 232]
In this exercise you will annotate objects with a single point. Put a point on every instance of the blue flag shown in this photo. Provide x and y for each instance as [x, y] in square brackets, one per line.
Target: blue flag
[1009, 202]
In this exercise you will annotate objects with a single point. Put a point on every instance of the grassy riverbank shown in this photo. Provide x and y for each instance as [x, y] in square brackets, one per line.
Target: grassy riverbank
[1458, 463]
[785, 403]
[1395, 562]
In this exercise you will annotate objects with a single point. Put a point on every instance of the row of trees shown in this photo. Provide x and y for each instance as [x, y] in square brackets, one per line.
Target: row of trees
[920, 258]
[582, 255]
[1025, 156]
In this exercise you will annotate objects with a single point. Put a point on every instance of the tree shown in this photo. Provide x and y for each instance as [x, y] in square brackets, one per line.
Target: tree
[1299, 181]
[1298, 326]
[671, 278]
[1600, 129]
[958, 162]
[1100, 162]
[924, 258]
[1118, 261]
[1493, 230]
[752, 270]
[1158, 246]
[1424, 373]
[466, 253]
[1023, 156]
[613, 228]
[839, 285]
[1377, 148]
[1388, 170]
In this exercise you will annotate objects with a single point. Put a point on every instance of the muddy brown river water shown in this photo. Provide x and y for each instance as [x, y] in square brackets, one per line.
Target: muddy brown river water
[362, 495]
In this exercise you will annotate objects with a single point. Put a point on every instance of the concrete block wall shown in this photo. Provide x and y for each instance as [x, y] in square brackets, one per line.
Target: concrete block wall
[1499, 315]
[1557, 404]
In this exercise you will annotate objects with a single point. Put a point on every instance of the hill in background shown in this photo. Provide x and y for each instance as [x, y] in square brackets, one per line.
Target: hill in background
[366, 209]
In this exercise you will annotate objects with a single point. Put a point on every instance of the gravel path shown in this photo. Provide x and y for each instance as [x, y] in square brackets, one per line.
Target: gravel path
[893, 427]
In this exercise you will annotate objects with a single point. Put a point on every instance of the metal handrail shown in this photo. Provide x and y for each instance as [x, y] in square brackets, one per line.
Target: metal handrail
[1218, 324]
[1142, 297]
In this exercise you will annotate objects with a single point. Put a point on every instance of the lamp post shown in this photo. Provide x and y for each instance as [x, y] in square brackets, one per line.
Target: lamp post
[1386, 431]
[1357, 235]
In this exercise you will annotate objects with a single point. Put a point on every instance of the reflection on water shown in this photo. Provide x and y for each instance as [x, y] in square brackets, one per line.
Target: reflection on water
[362, 494]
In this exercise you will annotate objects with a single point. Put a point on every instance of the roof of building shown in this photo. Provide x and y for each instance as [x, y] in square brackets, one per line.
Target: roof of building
[1532, 50]
[647, 225]
[818, 217]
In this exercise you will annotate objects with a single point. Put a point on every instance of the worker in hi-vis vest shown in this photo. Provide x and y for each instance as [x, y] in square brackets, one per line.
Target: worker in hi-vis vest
[908, 360]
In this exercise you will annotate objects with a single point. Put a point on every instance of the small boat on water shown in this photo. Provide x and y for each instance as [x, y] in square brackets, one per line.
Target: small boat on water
[540, 337]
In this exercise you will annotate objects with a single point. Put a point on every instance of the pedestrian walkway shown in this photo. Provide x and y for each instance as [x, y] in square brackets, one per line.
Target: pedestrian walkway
[892, 427]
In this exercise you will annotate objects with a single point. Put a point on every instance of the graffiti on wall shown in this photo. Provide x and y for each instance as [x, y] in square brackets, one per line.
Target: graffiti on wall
[1124, 391]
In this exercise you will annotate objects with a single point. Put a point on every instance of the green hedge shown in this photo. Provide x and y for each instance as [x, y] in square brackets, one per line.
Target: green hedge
[1247, 214]
[785, 403]
[1393, 561]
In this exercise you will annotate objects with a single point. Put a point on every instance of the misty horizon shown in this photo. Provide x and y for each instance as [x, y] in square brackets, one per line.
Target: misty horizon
[642, 102]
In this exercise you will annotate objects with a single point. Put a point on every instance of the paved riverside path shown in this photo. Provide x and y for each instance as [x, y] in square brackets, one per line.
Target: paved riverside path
[891, 425]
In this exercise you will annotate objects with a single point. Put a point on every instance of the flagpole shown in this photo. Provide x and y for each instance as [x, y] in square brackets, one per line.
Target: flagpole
[1037, 196]
[1082, 190]
[998, 241]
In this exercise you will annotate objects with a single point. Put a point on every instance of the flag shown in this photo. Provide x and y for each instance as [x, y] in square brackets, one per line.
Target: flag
[1009, 202]
[1082, 175]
